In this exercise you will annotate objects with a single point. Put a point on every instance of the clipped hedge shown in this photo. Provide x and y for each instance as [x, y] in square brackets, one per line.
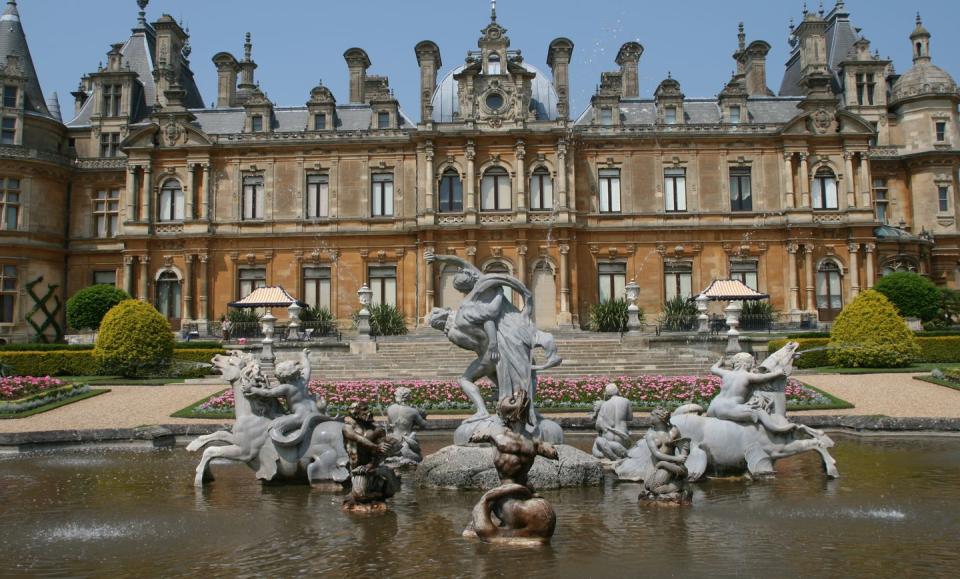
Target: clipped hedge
[869, 333]
[201, 355]
[944, 349]
[811, 360]
[135, 341]
[55, 363]
[87, 307]
[192, 345]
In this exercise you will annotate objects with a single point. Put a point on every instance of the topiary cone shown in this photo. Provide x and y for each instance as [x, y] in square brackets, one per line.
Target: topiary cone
[135, 341]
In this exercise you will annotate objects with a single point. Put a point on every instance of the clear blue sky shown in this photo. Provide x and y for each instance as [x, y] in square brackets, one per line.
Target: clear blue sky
[298, 42]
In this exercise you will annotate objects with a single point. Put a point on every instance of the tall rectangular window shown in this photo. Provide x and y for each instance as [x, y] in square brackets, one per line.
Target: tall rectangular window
[250, 279]
[256, 123]
[111, 100]
[541, 190]
[495, 190]
[319, 122]
[670, 115]
[318, 196]
[735, 114]
[109, 144]
[252, 197]
[316, 287]
[381, 195]
[677, 280]
[108, 277]
[880, 199]
[106, 212]
[606, 116]
[675, 189]
[609, 190]
[451, 192]
[746, 272]
[10, 96]
[8, 131]
[861, 88]
[383, 120]
[871, 85]
[943, 198]
[612, 278]
[741, 198]
[825, 190]
[8, 293]
[941, 131]
[383, 283]
[10, 203]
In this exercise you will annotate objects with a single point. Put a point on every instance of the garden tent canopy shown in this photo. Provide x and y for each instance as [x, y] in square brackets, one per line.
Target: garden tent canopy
[267, 297]
[730, 290]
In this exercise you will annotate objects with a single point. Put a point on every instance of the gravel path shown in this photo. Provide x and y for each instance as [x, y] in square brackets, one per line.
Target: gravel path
[896, 395]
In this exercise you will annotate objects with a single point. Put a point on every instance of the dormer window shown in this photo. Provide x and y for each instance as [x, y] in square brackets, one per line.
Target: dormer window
[111, 100]
[383, 120]
[10, 96]
[256, 123]
[865, 88]
[319, 122]
[670, 115]
[606, 116]
[493, 64]
[735, 114]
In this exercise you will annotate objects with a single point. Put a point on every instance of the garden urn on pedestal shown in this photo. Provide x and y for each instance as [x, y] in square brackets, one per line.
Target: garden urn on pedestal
[363, 316]
[293, 326]
[733, 320]
[267, 325]
[633, 311]
[703, 320]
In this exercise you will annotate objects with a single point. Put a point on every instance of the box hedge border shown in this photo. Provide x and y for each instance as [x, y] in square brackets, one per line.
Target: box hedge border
[936, 350]
[79, 362]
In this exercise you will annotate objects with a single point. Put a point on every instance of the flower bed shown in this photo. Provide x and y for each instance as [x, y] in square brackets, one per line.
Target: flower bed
[552, 393]
[19, 394]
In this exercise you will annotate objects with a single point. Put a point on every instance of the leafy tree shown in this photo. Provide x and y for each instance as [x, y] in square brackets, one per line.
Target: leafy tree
[135, 341]
[913, 295]
[85, 310]
[869, 333]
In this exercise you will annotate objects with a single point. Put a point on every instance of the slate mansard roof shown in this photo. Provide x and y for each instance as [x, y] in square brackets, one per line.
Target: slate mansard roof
[761, 110]
[226, 121]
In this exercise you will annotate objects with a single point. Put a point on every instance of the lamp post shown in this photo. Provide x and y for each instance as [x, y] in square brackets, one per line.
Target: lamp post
[733, 320]
[363, 323]
[703, 319]
[633, 311]
[293, 326]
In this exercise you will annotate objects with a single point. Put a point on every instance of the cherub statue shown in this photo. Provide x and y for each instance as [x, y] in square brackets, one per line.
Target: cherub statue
[737, 389]
[612, 417]
[668, 481]
[402, 419]
[367, 445]
[294, 377]
[513, 511]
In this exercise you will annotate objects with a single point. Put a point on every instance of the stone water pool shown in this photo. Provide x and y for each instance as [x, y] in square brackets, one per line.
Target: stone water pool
[110, 512]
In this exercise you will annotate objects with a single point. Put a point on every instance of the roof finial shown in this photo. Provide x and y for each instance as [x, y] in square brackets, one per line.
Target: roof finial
[493, 10]
[805, 7]
[919, 22]
[820, 11]
[247, 48]
[142, 15]
[741, 37]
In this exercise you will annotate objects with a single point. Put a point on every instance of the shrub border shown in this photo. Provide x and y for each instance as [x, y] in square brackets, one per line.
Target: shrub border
[53, 405]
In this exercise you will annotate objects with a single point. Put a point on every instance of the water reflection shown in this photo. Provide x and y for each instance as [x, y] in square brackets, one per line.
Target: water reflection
[131, 512]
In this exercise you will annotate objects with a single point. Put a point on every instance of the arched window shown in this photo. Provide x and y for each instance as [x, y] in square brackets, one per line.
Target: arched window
[171, 201]
[829, 290]
[493, 64]
[824, 189]
[168, 295]
[495, 190]
[541, 190]
[501, 268]
[451, 192]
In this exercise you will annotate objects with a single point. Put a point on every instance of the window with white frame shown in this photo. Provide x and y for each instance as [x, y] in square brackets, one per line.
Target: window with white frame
[829, 290]
[670, 115]
[943, 198]
[880, 199]
[541, 190]
[611, 281]
[249, 279]
[105, 277]
[450, 197]
[675, 189]
[106, 213]
[495, 190]
[8, 293]
[606, 116]
[318, 196]
[383, 120]
[493, 64]
[824, 189]
[609, 190]
[746, 272]
[677, 279]
[316, 287]
[381, 195]
[10, 203]
[252, 202]
[735, 114]
[741, 197]
[171, 201]
[383, 284]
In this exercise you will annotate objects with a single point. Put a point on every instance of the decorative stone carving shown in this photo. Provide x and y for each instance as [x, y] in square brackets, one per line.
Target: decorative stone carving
[611, 419]
[367, 446]
[402, 419]
[666, 483]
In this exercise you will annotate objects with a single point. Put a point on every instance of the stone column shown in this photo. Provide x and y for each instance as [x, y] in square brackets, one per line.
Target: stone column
[868, 249]
[205, 199]
[146, 198]
[131, 194]
[521, 273]
[204, 313]
[788, 180]
[520, 151]
[792, 249]
[850, 179]
[143, 292]
[565, 318]
[853, 248]
[804, 182]
[428, 283]
[808, 278]
[431, 184]
[470, 189]
[128, 274]
[188, 288]
[188, 214]
[865, 181]
[562, 173]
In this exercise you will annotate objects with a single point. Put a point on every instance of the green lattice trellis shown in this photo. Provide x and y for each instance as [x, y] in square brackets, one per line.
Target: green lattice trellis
[40, 306]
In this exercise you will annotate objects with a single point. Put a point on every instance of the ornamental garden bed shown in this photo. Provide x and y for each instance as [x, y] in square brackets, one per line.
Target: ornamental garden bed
[552, 394]
[22, 396]
[950, 378]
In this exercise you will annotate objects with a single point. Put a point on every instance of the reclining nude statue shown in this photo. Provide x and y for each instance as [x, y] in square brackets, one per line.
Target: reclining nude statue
[513, 512]
[304, 445]
[502, 337]
[744, 429]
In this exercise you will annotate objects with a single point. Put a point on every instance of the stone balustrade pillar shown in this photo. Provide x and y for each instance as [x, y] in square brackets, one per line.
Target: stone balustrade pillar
[143, 292]
[811, 304]
[868, 250]
[853, 248]
[788, 180]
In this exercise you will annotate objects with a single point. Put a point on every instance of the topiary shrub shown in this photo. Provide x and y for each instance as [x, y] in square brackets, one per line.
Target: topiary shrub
[869, 333]
[913, 295]
[85, 310]
[610, 316]
[135, 341]
[385, 320]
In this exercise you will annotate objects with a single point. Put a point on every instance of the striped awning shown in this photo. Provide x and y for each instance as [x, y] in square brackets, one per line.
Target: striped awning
[729, 290]
[267, 297]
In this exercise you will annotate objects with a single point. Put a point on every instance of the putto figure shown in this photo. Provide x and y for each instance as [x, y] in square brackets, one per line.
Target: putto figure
[513, 512]
[612, 417]
[367, 446]
[667, 481]
[403, 418]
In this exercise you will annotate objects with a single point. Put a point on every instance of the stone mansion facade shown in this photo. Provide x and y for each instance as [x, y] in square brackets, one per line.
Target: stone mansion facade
[808, 194]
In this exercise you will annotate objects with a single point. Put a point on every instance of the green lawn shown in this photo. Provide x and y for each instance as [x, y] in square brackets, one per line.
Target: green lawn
[938, 381]
[47, 407]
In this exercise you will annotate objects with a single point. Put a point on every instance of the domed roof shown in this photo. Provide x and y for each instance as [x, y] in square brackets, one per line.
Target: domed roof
[446, 101]
[924, 78]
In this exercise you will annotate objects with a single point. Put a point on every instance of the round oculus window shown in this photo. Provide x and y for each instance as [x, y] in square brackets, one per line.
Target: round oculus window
[494, 101]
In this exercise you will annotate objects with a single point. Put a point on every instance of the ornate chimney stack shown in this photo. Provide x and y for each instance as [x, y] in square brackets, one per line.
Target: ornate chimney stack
[428, 59]
[558, 59]
[628, 58]
[357, 63]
